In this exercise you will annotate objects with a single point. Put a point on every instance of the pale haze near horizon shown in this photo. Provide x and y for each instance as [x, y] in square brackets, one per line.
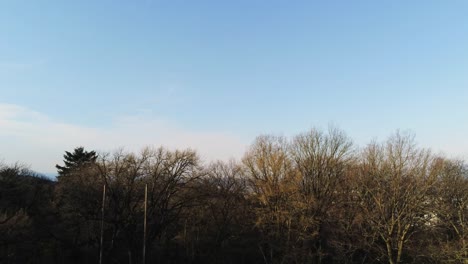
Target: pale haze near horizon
[213, 75]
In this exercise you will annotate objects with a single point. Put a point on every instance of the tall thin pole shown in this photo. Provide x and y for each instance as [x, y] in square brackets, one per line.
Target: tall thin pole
[102, 222]
[144, 225]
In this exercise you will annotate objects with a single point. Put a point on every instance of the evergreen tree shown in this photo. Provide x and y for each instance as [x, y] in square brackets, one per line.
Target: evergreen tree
[75, 160]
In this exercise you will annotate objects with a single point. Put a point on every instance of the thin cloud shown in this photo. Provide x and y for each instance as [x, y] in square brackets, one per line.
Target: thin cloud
[36, 139]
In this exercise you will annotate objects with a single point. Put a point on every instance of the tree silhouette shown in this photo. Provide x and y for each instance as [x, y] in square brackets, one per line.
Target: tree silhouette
[312, 198]
[75, 160]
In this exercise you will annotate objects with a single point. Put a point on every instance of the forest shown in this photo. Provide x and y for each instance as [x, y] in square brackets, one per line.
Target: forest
[315, 197]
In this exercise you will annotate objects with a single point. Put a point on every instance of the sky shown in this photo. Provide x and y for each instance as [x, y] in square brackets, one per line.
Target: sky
[213, 75]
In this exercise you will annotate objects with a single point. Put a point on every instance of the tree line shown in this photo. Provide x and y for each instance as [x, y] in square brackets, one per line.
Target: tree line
[312, 198]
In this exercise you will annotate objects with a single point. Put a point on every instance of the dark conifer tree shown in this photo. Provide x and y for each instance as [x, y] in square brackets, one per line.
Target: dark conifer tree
[75, 160]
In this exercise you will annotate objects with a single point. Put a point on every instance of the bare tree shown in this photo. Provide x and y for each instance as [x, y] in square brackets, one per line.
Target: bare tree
[323, 160]
[450, 212]
[395, 180]
[168, 175]
[226, 201]
[221, 218]
[273, 182]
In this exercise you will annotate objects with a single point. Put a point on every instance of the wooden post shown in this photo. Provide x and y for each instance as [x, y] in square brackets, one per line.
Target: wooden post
[102, 222]
[144, 225]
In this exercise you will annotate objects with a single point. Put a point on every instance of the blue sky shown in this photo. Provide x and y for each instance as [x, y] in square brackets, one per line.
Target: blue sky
[214, 74]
